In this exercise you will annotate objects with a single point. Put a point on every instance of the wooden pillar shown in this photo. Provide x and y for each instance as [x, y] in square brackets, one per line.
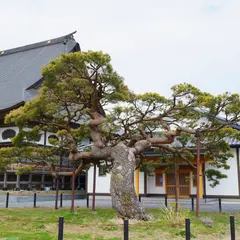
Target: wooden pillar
[43, 182]
[63, 182]
[137, 181]
[79, 182]
[54, 183]
[5, 182]
[30, 181]
[18, 183]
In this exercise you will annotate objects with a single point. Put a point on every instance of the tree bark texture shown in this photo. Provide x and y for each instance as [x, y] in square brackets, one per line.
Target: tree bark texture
[122, 187]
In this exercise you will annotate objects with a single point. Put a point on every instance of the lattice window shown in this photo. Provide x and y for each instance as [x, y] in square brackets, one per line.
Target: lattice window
[194, 177]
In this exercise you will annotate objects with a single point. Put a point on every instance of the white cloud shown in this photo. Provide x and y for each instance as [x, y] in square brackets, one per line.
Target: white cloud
[154, 44]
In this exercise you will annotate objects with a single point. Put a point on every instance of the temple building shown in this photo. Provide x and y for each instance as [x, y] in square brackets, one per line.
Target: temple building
[162, 183]
[20, 79]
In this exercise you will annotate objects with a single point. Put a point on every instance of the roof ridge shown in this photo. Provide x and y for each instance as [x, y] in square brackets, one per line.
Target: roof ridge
[62, 39]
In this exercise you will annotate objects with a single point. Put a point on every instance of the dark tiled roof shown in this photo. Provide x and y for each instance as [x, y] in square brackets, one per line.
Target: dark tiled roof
[233, 142]
[20, 68]
[233, 125]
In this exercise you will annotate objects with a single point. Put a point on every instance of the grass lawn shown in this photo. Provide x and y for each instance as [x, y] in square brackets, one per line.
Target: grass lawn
[42, 224]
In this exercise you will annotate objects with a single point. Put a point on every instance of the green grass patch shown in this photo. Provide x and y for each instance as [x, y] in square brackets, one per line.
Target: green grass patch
[42, 224]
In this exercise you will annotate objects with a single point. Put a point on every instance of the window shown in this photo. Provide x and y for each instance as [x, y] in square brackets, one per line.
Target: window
[53, 137]
[102, 170]
[12, 178]
[24, 178]
[36, 178]
[9, 133]
[159, 179]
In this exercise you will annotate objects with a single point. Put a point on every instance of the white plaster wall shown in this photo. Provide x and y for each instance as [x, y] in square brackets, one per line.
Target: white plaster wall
[193, 190]
[41, 141]
[16, 129]
[151, 188]
[141, 181]
[47, 135]
[227, 186]
[102, 182]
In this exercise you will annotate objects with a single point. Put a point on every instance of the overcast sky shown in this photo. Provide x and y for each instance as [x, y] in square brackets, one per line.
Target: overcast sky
[154, 44]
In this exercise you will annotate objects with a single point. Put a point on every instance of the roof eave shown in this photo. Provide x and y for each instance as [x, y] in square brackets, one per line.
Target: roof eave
[37, 45]
[6, 110]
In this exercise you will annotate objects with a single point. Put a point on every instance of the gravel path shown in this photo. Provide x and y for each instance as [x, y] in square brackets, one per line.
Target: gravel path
[211, 205]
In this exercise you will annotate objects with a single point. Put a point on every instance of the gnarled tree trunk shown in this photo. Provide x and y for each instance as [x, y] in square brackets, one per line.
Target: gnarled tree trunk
[122, 187]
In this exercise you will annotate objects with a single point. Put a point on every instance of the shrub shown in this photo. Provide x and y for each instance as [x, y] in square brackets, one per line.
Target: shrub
[173, 217]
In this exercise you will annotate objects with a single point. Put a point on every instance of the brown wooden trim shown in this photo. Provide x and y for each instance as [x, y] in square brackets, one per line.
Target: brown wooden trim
[221, 196]
[100, 194]
[238, 168]
[185, 170]
[181, 168]
[159, 170]
[193, 195]
[154, 195]
[158, 184]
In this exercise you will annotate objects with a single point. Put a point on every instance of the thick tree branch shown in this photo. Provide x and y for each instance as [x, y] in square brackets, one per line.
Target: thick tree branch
[140, 146]
[170, 136]
[134, 139]
[96, 120]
